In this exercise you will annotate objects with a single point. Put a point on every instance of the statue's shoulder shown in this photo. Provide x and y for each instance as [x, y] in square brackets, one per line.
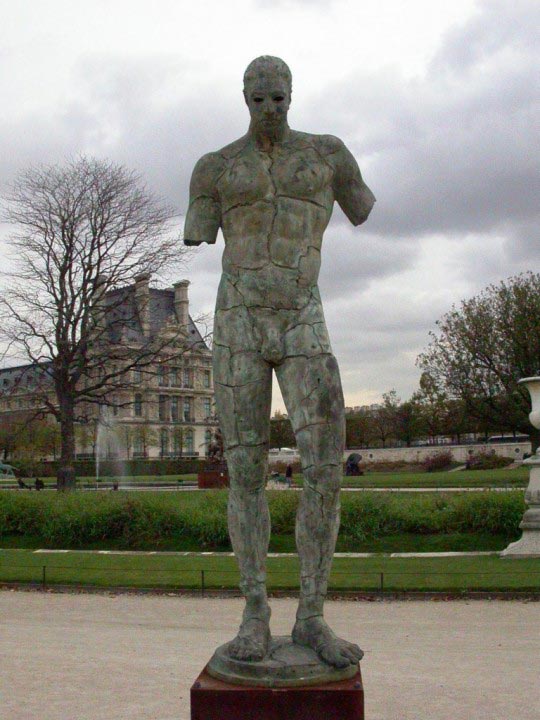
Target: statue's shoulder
[210, 165]
[207, 170]
[324, 144]
[233, 149]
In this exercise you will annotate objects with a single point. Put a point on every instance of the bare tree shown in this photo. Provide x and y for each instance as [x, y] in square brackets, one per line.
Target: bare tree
[85, 231]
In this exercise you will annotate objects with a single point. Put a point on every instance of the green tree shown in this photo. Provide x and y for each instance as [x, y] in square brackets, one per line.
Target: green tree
[483, 347]
[145, 436]
[281, 432]
[432, 403]
[403, 418]
[26, 438]
[359, 429]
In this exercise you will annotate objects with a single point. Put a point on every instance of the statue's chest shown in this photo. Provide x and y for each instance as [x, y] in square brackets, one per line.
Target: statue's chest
[255, 176]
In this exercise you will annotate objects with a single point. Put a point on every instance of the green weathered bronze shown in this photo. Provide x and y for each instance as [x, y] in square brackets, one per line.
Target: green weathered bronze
[286, 664]
[272, 193]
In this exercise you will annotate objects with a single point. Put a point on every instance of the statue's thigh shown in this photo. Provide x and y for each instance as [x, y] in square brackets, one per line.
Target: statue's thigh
[243, 391]
[311, 389]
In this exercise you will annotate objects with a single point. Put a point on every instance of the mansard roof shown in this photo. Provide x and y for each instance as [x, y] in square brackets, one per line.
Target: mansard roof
[125, 324]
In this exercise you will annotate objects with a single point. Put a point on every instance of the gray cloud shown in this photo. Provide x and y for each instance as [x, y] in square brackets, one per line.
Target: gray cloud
[283, 4]
[450, 154]
[455, 150]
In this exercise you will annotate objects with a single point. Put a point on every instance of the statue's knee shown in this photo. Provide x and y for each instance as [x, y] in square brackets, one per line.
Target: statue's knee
[247, 467]
[325, 480]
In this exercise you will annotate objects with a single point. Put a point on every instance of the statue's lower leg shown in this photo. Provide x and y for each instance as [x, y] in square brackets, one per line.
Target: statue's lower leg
[249, 528]
[317, 526]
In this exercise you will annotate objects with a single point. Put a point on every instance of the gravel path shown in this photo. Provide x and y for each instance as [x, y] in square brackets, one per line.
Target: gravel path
[91, 657]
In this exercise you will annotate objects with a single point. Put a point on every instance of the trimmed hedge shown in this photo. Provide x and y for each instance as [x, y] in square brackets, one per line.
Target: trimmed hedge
[138, 521]
[109, 468]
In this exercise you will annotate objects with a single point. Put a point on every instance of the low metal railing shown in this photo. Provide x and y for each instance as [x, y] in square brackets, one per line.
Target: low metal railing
[205, 579]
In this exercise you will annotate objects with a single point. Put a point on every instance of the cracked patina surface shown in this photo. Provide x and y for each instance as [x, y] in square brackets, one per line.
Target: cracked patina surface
[272, 193]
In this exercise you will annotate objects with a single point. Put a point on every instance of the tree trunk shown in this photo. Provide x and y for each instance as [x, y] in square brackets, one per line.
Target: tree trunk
[66, 469]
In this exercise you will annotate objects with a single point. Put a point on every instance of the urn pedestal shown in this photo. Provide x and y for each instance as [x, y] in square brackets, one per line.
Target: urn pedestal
[529, 543]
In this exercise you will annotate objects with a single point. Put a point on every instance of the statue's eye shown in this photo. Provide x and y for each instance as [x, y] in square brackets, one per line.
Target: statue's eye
[279, 98]
[258, 99]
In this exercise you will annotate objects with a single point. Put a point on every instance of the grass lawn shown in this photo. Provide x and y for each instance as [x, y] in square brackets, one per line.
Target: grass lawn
[146, 571]
[406, 542]
[501, 477]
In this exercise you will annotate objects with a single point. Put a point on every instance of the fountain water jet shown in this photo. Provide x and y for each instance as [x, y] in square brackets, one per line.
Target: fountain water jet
[108, 444]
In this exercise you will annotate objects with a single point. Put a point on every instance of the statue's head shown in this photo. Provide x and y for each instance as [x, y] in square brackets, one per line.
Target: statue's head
[267, 91]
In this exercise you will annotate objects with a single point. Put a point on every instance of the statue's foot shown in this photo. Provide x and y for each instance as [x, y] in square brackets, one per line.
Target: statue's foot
[252, 640]
[315, 633]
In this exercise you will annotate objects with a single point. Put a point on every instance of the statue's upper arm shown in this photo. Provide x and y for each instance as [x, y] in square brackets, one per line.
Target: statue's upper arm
[351, 192]
[203, 218]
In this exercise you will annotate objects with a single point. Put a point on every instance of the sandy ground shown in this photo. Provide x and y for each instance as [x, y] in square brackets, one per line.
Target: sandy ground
[95, 657]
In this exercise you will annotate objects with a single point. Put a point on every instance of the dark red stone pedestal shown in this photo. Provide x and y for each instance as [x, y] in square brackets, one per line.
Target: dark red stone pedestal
[217, 700]
[213, 475]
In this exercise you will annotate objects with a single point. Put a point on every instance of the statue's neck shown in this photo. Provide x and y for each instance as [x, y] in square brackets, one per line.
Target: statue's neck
[266, 138]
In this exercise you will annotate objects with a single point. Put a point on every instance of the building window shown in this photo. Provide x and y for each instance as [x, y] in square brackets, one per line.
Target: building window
[174, 377]
[206, 378]
[207, 441]
[188, 378]
[177, 441]
[163, 376]
[189, 442]
[174, 409]
[207, 407]
[138, 446]
[137, 376]
[164, 442]
[162, 407]
[137, 405]
[187, 409]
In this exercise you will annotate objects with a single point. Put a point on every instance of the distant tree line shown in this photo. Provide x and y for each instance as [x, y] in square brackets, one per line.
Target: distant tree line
[470, 373]
[427, 416]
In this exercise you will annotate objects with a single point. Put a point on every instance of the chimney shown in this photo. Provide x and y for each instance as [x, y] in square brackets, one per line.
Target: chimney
[181, 303]
[99, 308]
[142, 302]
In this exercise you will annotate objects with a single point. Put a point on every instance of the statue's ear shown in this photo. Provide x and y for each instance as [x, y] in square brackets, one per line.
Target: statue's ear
[245, 96]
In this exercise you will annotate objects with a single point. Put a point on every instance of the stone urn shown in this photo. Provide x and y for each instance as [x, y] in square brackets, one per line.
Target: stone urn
[529, 543]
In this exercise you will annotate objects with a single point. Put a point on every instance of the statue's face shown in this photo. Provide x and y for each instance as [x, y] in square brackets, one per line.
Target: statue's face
[268, 99]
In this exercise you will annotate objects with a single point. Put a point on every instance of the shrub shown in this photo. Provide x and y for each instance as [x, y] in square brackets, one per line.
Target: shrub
[387, 466]
[437, 461]
[487, 460]
[366, 515]
[137, 466]
[150, 520]
[283, 507]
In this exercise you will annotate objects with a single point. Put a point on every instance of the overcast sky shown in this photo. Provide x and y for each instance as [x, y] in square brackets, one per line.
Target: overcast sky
[438, 101]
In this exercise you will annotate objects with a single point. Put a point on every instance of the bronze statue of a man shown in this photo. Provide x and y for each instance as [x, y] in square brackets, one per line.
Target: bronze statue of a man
[272, 193]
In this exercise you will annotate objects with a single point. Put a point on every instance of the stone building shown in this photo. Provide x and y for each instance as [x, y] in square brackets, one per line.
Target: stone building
[163, 409]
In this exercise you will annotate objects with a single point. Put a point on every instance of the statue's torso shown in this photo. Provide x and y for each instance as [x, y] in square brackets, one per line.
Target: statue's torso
[275, 207]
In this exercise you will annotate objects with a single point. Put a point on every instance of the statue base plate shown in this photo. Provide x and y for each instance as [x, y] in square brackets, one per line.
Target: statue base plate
[213, 699]
[285, 665]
